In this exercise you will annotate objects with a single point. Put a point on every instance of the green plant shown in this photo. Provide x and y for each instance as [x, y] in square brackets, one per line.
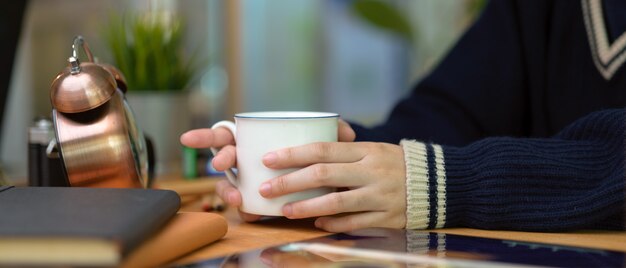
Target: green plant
[148, 50]
[474, 7]
[384, 16]
[387, 16]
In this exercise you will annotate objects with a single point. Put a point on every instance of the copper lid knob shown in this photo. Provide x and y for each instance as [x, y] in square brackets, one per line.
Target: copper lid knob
[81, 87]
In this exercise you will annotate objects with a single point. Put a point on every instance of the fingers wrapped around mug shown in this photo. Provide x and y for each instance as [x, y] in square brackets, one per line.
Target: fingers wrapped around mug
[206, 137]
[225, 158]
[345, 131]
[373, 173]
[232, 197]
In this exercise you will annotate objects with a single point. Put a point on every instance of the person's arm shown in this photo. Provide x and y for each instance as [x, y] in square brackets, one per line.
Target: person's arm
[573, 180]
[478, 90]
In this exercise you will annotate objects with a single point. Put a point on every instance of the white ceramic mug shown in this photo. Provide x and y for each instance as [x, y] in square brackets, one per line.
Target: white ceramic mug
[259, 133]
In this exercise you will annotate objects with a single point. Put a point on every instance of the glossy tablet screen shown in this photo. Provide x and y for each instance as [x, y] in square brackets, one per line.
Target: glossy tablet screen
[406, 248]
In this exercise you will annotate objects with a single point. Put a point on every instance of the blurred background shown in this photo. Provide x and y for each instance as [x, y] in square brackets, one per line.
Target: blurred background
[352, 57]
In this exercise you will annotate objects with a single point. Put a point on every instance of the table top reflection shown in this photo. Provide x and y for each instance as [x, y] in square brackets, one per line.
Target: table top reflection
[268, 238]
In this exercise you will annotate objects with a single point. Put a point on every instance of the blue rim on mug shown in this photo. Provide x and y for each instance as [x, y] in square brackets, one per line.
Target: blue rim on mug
[286, 115]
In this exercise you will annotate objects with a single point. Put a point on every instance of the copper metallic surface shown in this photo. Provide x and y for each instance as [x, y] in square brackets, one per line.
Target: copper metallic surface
[102, 147]
[89, 88]
[117, 74]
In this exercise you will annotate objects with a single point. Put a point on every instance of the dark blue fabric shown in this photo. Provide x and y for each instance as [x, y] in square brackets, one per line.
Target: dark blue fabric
[614, 13]
[524, 69]
[574, 180]
[509, 104]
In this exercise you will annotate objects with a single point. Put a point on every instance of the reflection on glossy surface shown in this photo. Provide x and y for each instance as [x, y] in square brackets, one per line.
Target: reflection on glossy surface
[379, 247]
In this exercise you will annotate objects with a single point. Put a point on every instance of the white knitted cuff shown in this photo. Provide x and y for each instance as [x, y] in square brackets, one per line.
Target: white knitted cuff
[417, 202]
[425, 185]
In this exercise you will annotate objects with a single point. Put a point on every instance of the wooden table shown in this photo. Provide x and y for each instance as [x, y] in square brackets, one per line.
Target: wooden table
[242, 236]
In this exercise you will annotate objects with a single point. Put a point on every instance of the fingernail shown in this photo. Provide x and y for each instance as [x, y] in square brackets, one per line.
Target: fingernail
[265, 189]
[270, 159]
[287, 211]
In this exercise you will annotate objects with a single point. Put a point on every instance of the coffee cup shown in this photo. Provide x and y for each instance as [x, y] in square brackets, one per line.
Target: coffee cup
[258, 133]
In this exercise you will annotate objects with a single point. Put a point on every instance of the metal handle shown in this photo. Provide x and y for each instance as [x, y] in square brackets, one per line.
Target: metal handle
[230, 174]
[52, 150]
[79, 41]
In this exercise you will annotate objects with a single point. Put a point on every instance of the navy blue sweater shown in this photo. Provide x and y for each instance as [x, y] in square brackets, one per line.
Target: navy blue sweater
[510, 106]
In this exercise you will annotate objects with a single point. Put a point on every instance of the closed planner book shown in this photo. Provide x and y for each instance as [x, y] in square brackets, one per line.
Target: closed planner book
[78, 226]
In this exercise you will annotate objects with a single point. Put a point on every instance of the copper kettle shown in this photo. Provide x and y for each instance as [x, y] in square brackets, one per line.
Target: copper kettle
[98, 138]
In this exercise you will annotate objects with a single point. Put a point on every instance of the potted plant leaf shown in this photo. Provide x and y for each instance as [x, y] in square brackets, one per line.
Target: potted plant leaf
[149, 50]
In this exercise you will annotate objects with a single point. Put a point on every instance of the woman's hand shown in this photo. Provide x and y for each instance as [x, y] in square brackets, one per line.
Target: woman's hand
[373, 173]
[227, 158]
[217, 138]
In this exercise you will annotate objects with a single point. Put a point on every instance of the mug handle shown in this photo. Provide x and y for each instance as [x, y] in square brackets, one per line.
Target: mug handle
[232, 178]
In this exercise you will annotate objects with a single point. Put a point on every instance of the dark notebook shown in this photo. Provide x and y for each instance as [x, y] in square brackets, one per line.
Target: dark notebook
[78, 226]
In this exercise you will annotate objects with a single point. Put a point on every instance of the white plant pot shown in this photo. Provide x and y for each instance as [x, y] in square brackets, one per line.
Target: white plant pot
[163, 116]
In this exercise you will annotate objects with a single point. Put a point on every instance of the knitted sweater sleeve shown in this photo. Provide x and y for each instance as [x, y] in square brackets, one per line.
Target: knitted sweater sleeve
[573, 180]
[457, 100]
